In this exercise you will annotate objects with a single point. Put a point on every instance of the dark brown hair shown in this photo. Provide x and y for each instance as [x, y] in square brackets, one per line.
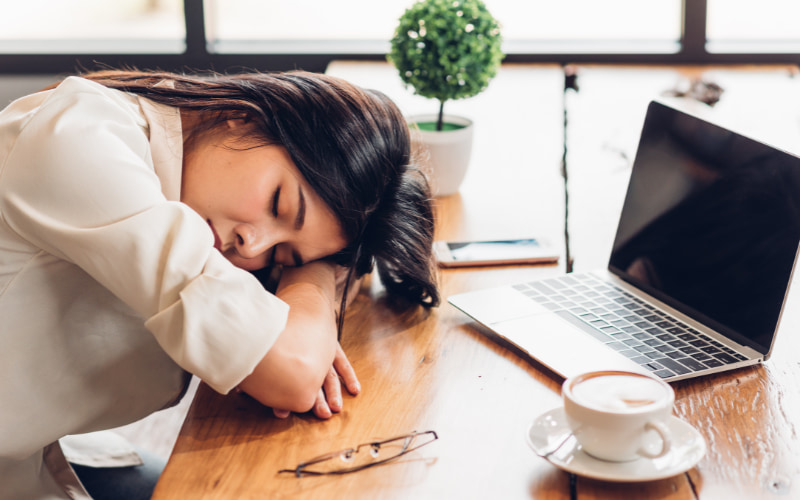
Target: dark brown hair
[352, 146]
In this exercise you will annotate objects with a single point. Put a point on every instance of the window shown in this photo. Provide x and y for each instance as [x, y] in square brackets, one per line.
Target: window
[363, 26]
[753, 27]
[92, 26]
[344, 26]
[52, 36]
[589, 26]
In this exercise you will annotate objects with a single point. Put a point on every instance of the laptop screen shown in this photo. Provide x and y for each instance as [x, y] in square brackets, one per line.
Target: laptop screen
[710, 225]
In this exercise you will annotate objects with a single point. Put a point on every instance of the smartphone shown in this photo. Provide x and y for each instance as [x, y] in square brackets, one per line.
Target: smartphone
[494, 253]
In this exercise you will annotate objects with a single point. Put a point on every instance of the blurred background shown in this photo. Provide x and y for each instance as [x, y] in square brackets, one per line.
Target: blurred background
[40, 39]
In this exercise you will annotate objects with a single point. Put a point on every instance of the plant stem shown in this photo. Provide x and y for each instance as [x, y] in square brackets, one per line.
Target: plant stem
[440, 121]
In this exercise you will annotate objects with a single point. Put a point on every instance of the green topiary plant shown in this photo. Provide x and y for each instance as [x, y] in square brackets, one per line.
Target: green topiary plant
[447, 49]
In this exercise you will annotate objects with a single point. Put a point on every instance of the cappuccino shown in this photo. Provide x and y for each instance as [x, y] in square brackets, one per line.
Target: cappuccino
[617, 392]
[619, 416]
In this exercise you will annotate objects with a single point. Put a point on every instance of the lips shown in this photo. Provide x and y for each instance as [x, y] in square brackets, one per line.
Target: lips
[217, 241]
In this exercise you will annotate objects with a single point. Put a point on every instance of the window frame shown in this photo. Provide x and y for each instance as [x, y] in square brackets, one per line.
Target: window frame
[197, 56]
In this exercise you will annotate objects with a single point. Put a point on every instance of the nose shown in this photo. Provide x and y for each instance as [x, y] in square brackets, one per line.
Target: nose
[250, 243]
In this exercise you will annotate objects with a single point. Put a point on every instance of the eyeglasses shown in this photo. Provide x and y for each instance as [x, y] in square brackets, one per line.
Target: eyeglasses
[352, 460]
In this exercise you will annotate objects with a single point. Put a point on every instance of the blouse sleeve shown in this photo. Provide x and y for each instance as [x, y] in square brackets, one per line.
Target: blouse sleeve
[79, 184]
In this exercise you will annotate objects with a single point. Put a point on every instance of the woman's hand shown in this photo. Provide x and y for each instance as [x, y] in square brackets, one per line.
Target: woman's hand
[329, 400]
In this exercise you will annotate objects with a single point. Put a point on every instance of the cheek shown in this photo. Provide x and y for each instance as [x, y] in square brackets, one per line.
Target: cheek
[248, 201]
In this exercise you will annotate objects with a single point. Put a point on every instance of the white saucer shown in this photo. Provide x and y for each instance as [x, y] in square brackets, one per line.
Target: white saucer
[688, 447]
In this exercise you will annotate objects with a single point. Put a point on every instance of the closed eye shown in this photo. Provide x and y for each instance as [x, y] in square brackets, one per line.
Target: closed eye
[276, 196]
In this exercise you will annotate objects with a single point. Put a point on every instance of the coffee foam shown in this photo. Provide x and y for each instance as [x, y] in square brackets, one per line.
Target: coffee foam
[618, 392]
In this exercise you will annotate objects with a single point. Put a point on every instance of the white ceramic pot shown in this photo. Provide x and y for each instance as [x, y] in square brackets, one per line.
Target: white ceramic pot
[449, 152]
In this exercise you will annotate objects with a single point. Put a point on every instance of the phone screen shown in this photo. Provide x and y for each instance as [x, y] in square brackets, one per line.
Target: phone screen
[495, 250]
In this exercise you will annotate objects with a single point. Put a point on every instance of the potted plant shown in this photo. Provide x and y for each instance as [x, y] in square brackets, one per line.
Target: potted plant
[446, 49]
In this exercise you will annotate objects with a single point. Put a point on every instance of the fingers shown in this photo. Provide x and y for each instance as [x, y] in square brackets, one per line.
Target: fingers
[345, 370]
[321, 408]
[329, 399]
[280, 413]
[333, 390]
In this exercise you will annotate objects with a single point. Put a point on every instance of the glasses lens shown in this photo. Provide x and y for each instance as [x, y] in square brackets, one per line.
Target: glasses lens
[368, 454]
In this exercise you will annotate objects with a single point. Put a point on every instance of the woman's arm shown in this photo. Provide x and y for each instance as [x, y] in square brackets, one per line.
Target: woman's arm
[291, 374]
[329, 397]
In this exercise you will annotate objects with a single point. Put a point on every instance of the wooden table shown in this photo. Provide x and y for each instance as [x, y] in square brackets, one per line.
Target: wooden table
[439, 371]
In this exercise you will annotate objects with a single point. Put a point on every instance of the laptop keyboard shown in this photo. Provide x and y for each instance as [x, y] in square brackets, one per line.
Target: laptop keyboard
[648, 336]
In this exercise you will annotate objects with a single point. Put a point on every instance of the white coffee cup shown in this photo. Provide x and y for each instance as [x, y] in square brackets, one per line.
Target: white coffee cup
[619, 416]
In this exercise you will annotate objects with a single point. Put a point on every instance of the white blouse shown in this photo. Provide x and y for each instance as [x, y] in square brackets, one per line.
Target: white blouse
[110, 287]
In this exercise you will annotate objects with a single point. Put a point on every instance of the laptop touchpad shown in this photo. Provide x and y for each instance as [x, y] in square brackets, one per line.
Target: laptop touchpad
[562, 347]
[496, 304]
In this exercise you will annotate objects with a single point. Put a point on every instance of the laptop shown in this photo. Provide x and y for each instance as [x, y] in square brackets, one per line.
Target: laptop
[699, 270]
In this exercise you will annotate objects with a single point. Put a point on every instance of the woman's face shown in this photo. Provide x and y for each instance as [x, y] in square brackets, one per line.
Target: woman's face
[259, 207]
